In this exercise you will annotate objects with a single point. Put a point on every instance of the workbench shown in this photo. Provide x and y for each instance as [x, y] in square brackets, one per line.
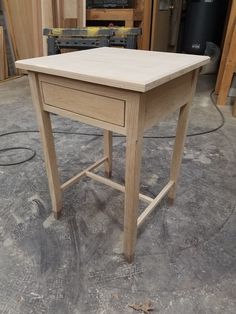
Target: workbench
[119, 90]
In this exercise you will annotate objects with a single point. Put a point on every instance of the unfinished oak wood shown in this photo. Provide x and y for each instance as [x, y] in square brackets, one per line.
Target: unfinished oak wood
[84, 103]
[181, 132]
[48, 146]
[129, 69]
[108, 152]
[135, 128]
[83, 173]
[154, 203]
[140, 87]
[115, 185]
[98, 89]
[167, 98]
[85, 119]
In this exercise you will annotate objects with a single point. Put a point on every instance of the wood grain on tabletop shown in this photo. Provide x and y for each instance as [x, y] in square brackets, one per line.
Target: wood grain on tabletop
[136, 70]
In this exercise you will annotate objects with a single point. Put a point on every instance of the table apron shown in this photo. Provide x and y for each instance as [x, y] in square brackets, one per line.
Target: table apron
[167, 98]
[107, 107]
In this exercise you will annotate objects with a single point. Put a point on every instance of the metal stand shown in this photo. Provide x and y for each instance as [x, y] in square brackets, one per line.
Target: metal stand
[90, 37]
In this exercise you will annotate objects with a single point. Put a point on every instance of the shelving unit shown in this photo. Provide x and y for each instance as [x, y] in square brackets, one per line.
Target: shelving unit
[140, 16]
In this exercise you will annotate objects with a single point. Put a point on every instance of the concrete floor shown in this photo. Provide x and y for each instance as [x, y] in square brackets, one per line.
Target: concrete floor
[186, 254]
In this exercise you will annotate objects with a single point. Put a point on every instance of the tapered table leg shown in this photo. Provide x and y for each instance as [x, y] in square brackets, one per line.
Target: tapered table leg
[45, 128]
[108, 152]
[135, 121]
[178, 149]
[180, 138]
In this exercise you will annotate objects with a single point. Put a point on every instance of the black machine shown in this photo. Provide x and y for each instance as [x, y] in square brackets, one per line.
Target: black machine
[204, 23]
[109, 4]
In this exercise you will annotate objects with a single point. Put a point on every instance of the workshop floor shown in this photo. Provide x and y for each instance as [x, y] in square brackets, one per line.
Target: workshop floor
[185, 255]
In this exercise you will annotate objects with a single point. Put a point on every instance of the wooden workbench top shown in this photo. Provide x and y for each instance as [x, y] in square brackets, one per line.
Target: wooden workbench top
[136, 70]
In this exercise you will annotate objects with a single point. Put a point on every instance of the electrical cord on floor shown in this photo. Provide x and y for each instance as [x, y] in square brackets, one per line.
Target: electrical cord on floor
[33, 152]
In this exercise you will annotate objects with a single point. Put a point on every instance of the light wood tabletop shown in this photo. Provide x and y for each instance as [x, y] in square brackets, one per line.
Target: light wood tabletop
[136, 70]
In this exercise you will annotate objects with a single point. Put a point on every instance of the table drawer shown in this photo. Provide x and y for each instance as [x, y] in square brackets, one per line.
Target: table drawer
[84, 103]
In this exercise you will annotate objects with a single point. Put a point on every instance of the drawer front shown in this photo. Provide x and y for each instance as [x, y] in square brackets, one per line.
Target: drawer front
[87, 104]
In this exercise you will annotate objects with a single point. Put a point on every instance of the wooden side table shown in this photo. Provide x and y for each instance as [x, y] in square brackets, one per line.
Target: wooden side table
[119, 90]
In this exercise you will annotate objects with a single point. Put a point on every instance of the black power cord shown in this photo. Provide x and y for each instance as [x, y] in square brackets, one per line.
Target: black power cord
[33, 152]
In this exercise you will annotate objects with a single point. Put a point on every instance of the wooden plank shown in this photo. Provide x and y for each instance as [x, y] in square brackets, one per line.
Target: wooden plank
[5, 64]
[70, 13]
[36, 23]
[175, 25]
[47, 20]
[227, 41]
[154, 203]
[3, 56]
[110, 14]
[24, 23]
[116, 67]
[58, 13]
[81, 13]
[115, 185]
[83, 173]
[2, 70]
[230, 67]
[69, 23]
[162, 31]
[155, 7]
[146, 25]
[70, 9]
[6, 10]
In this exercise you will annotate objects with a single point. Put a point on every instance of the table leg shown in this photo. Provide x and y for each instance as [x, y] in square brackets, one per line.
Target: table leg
[181, 132]
[178, 148]
[45, 128]
[108, 152]
[135, 118]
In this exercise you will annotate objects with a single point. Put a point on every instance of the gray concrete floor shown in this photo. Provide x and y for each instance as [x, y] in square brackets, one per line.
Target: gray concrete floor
[186, 254]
